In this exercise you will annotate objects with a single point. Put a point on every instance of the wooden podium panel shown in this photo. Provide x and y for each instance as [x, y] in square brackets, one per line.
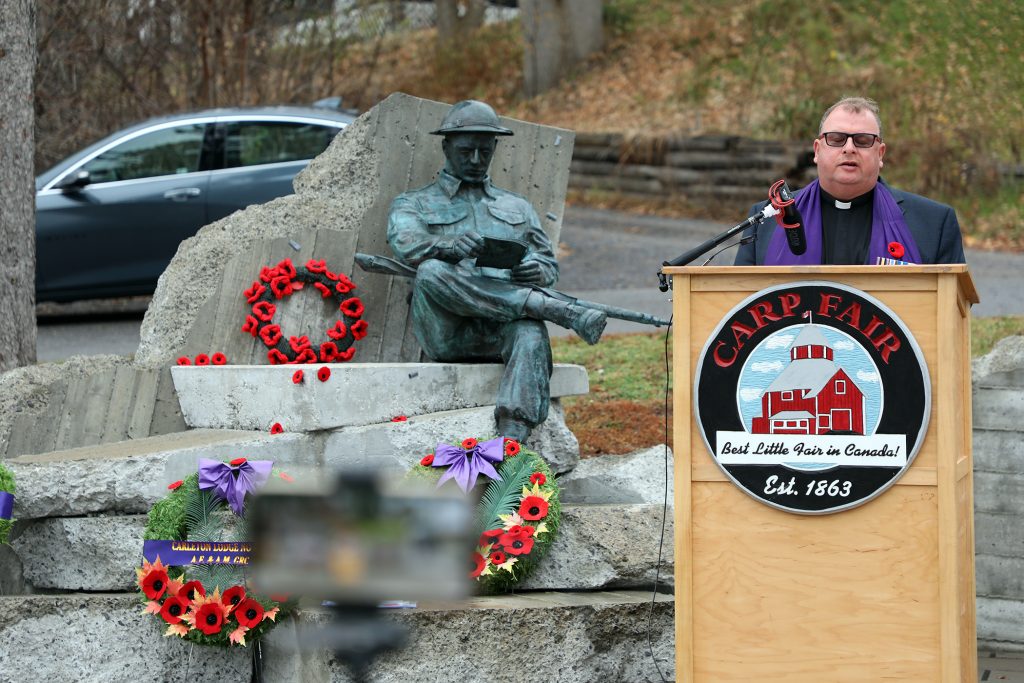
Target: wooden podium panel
[884, 591]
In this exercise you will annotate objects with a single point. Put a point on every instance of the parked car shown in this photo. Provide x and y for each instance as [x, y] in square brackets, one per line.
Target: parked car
[110, 217]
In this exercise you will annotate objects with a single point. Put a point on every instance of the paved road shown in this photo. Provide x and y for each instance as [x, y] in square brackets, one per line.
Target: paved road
[606, 256]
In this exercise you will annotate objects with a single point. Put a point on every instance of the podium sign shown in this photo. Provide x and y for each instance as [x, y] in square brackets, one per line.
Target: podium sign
[824, 503]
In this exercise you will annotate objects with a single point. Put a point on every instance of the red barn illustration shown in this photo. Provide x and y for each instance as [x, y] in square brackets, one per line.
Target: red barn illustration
[812, 395]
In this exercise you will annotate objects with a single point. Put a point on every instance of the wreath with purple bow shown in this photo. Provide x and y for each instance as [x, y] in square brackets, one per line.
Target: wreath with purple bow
[519, 510]
[194, 575]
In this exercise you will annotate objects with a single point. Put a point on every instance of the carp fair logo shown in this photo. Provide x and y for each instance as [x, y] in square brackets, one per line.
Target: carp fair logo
[812, 397]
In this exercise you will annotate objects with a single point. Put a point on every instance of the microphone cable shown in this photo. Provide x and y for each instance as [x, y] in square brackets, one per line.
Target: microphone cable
[664, 508]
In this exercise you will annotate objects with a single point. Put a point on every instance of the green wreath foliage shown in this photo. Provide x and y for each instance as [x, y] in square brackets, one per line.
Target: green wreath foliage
[7, 485]
[497, 508]
[189, 513]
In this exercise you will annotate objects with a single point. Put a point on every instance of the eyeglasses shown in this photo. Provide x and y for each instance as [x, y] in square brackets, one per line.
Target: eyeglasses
[862, 140]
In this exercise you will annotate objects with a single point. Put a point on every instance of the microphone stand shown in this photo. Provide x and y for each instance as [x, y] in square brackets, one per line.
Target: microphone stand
[767, 212]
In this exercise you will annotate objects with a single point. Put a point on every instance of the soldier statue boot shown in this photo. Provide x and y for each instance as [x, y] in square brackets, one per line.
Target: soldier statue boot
[587, 323]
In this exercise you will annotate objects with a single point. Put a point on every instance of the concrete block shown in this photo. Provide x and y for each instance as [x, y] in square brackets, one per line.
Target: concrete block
[255, 397]
[607, 546]
[129, 476]
[998, 451]
[1001, 535]
[82, 553]
[998, 408]
[597, 636]
[1000, 493]
[12, 577]
[634, 478]
[999, 577]
[397, 446]
[1001, 624]
[1004, 361]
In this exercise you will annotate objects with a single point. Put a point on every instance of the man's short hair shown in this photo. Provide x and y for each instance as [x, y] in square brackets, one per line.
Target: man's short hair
[856, 105]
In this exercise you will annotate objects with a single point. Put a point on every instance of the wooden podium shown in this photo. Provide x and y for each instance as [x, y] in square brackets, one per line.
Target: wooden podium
[883, 591]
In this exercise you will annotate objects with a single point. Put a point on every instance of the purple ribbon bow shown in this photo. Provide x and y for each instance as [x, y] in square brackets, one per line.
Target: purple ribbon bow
[6, 505]
[464, 466]
[233, 482]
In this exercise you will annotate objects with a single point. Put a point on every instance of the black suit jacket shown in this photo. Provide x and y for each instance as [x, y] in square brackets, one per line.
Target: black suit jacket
[933, 225]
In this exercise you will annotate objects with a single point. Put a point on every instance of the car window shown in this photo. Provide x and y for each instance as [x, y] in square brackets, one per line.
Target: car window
[268, 142]
[163, 152]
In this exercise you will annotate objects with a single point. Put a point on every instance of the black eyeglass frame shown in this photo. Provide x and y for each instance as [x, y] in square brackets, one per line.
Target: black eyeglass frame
[847, 136]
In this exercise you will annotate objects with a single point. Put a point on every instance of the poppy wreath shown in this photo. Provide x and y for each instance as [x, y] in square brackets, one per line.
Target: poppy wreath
[519, 510]
[6, 502]
[284, 279]
[208, 601]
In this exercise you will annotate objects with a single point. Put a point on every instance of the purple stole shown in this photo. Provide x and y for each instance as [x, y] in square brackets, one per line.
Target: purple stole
[887, 226]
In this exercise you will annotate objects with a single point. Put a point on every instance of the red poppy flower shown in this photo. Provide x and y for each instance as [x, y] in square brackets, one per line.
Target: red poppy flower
[175, 484]
[299, 343]
[359, 329]
[528, 530]
[324, 290]
[271, 335]
[353, 307]
[276, 428]
[210, 618]
[307, 355]
[276, 357]
[479, 564]
[533, 508]
[427, 460]
[498, 557]
[297, 377]
[469, 444]
[237, 461]
[492, 533]
[254, 293]
[219, 359]
[323, 374]
[896, 250]
[185, 360]
[512, 448]
[264, 310]
[328, 350]
[521, 545]
[344, 285]
[173, 609]
[190, 590]
[399, 418]
[281, 287]
[202, 359]
[346, 355]
[338, 331]
[267, 274]
[286, 268]
[538, 479]
[330, 275]
[155, 583]
[315, 266]
[287, 477]
[252, 326]
[249, 613]
[232, 597]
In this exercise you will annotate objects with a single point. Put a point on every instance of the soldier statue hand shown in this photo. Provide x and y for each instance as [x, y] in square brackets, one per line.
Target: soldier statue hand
[529, 271]
[466, 245]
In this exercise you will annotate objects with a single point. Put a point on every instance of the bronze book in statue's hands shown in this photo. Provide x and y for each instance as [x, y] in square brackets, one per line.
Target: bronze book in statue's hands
[501, 253]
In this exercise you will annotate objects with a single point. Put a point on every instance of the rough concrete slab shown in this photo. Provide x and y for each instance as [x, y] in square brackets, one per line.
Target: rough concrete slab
[255, 397]
[340, 206]
[1001, 624]
[129, 476]
[998, 408]
[599, 636]
[634, 478]
[999, 577]
[998, 451]
[1003, 362]
[12, 577]
[1000, 493]
[82, 553]
[607, 546]
[1001, 535]
[397, 446]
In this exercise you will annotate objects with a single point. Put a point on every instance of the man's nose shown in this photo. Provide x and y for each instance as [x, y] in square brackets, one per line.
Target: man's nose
[848, 145]
[476, 156]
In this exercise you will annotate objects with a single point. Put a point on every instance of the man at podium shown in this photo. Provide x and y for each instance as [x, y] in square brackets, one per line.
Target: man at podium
[849, 215]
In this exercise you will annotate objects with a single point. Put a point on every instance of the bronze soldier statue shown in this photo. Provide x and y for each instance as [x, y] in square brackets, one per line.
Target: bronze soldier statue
[467, 312]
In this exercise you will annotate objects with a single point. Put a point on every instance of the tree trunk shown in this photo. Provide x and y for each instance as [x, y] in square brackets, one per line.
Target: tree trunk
[17, 185]
[558, 34]
[456, 19]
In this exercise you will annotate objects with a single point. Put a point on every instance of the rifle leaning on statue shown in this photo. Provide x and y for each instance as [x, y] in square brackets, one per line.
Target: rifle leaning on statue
[389, 266]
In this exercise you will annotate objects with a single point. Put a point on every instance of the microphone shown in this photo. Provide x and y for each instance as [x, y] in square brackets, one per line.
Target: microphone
[788, 217]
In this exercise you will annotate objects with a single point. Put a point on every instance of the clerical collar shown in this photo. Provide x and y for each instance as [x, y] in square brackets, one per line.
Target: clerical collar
[863, 199]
